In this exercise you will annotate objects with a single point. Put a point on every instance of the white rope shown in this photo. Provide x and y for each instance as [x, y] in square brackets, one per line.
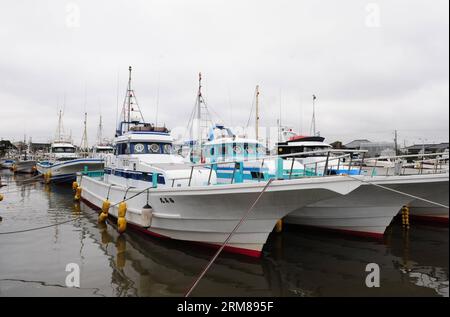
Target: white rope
[399, 192]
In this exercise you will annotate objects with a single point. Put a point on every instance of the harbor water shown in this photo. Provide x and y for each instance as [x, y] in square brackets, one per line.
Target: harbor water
[295, 262]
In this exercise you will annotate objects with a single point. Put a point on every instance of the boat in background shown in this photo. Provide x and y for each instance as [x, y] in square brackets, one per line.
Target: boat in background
[63, 161]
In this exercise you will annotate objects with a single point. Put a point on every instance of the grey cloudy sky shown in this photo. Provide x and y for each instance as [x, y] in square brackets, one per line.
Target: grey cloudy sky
[375, 66]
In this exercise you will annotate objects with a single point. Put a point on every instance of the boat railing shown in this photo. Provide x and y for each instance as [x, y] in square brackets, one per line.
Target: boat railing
[237, 174]
[402, 167]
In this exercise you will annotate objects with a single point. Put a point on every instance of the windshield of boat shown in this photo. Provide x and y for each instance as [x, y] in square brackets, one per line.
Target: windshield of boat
[61, 149]
[104, 150]
[144, 148]
[235, 149]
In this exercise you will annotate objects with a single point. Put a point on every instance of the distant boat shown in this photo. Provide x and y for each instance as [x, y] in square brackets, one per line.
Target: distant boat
[64, 162]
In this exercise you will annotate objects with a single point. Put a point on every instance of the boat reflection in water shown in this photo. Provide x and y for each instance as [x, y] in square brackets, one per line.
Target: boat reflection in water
[145, 266]
[412, 263]
[305, 263]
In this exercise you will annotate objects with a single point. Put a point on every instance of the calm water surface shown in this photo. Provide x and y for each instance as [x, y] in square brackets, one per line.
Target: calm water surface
[297, 262]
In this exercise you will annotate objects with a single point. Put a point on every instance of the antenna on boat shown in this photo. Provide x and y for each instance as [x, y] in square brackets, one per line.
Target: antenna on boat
[157, 100]
[313, 121]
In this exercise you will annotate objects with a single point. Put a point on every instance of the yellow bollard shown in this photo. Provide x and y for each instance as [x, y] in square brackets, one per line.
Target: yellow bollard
[48, 177]
[77, 194]
[405, 217]
[105, 210]
[121, 221]
[279, 226]
[1, 197]
[74, 186]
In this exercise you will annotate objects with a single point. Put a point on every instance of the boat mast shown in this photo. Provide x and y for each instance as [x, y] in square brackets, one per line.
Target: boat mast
[257, 112]
[313, 122]
[129, 97]
[130, 105]
[100, 132]
[59, 129]
[84, 140]
[199, 111]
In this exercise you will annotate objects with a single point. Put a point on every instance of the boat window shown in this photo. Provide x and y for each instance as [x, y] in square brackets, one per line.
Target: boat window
[167, 148]
[153, 148]
[237, 149]
[139, 148]
[63, 150]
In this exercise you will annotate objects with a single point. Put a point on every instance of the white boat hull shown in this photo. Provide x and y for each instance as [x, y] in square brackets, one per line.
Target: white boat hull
[207, 214]
[431, 212]
[368, 210]
[67, 170]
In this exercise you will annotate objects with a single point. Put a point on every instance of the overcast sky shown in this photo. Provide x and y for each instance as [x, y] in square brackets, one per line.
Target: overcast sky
[375, 66]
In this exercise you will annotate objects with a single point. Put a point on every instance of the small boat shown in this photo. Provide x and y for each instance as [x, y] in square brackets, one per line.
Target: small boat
[7, 163]
[25, 164]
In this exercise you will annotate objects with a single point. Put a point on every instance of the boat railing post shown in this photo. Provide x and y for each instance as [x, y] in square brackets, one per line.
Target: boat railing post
[315, 169]
[173, 182]
[421, 166]
[261, 170]
[350, 163]
[325, 169]
[338, 165]
[362, 162]
[210, 173]
[374, 167]
[292, 167]
[435, 165]
[280, 168]
[387, 170]
[190, 176]
[234, 171]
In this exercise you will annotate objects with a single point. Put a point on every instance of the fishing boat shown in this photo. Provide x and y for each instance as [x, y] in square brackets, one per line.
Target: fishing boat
[166, 197]
[368, 210]
[7, 163]
[313, 154]
[103, 147]
[63, 160]
[24, 164]
[227, 147]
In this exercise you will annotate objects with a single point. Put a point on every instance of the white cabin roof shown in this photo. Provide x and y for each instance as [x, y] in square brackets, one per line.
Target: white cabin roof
[229, 140]
[308, 143]
[62, 144]
[145, 137]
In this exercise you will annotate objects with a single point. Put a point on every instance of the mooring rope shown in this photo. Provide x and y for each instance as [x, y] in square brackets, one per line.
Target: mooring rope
[244, 217]
[67, 221]
[398, 192]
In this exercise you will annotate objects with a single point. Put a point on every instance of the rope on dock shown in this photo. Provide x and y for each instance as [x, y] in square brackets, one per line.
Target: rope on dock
[399, 192]
[244, 217]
